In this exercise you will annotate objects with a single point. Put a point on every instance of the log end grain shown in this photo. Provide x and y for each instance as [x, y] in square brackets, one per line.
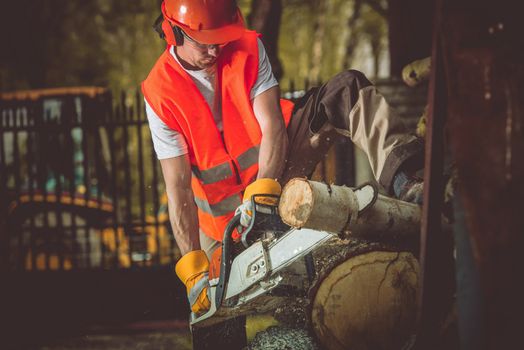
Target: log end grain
[316, 205]
[367, 302]
[296, 202]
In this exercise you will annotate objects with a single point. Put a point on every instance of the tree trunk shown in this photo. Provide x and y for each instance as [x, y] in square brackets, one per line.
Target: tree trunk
[376, 48]
[265, 19]
[410, 26]
[353, 38]
[318, 40]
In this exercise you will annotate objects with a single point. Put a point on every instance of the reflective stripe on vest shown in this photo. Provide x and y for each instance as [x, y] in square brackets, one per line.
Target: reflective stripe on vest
[212, 175]
[223, 171]
[248, 158]
[223, 207]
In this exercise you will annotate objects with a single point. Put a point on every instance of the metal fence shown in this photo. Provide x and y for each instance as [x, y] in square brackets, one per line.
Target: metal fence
[80, 183]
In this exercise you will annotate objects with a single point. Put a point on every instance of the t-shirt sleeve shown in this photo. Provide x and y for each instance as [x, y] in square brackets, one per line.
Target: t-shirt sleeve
[167, 142]
[265, 79]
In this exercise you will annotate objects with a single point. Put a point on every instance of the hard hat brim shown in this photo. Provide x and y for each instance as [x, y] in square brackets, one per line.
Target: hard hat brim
[225, 34]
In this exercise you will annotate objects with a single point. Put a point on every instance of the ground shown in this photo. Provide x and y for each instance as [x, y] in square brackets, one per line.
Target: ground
[172, 340]
[167, 334]
[173, 335]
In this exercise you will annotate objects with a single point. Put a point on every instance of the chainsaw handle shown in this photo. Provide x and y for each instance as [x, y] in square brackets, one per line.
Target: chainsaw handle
[271, 207]
[225, 263]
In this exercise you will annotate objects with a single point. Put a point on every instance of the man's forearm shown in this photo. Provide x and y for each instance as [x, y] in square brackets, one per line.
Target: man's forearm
[274, 143]
[272, 155]
[184, 219]
[181, 204]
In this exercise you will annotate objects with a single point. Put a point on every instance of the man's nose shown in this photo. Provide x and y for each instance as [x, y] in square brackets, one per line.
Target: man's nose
[213, 50]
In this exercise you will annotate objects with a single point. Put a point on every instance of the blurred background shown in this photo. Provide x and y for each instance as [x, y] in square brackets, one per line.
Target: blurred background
[110, 43]
[84, 230]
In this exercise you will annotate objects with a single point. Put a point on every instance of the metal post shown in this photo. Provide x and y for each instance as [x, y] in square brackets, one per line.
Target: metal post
[435, 248]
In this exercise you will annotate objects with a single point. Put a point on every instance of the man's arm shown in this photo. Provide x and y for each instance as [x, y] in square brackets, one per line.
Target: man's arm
[181, 204]
[274, 143]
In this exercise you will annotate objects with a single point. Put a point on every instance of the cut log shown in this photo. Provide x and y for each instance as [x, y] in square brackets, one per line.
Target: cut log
[367, 302]
[363, 296]
[315, 205]
[364, 293]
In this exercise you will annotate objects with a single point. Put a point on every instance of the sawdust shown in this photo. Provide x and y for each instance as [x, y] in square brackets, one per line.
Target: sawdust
[294, 314]
[283, 338]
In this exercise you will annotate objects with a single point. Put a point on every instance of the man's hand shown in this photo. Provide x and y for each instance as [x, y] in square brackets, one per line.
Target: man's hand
[246, 212]
[192, 269]
[259, 187]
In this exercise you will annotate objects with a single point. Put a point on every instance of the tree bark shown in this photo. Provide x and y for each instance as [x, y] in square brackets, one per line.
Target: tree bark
[265, 19]
[318, 206]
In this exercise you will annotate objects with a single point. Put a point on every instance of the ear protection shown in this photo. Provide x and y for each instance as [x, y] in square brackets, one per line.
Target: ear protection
[172, 34]
[179, 36]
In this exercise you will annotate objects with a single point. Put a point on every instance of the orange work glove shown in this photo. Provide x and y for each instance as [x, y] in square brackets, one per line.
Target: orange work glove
[258, 187]
[192, 269]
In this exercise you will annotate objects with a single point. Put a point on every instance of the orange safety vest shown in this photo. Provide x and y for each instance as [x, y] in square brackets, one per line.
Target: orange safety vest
[221, 167]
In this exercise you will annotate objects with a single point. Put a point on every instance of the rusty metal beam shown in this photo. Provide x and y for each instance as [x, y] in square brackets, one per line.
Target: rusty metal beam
[435, 247]
[485, 57]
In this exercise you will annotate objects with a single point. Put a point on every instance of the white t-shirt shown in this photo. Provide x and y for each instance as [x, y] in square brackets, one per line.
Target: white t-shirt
[167, 142]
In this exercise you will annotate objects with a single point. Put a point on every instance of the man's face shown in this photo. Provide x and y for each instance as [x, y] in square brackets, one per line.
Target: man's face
[199, 55]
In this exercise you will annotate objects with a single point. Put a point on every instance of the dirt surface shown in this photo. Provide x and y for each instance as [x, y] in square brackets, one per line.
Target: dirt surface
[172, 335]
[178, 340]
[153, 340]
[161, 334]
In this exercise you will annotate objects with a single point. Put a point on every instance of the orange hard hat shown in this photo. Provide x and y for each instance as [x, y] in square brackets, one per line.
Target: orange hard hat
[206, 21]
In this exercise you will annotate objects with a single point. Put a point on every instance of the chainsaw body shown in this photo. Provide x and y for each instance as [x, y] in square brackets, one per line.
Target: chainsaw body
[255, 273]
[268, 266]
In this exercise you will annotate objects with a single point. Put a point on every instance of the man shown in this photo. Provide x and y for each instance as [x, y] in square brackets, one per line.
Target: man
[222, 134]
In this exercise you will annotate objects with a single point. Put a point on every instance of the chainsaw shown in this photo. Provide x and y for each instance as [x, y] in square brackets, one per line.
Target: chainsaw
[267, 265]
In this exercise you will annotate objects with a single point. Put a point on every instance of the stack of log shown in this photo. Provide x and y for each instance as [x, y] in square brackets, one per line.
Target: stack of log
[364, 295]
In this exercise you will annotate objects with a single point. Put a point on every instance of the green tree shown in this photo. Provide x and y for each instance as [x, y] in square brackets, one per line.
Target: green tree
[66, 43]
